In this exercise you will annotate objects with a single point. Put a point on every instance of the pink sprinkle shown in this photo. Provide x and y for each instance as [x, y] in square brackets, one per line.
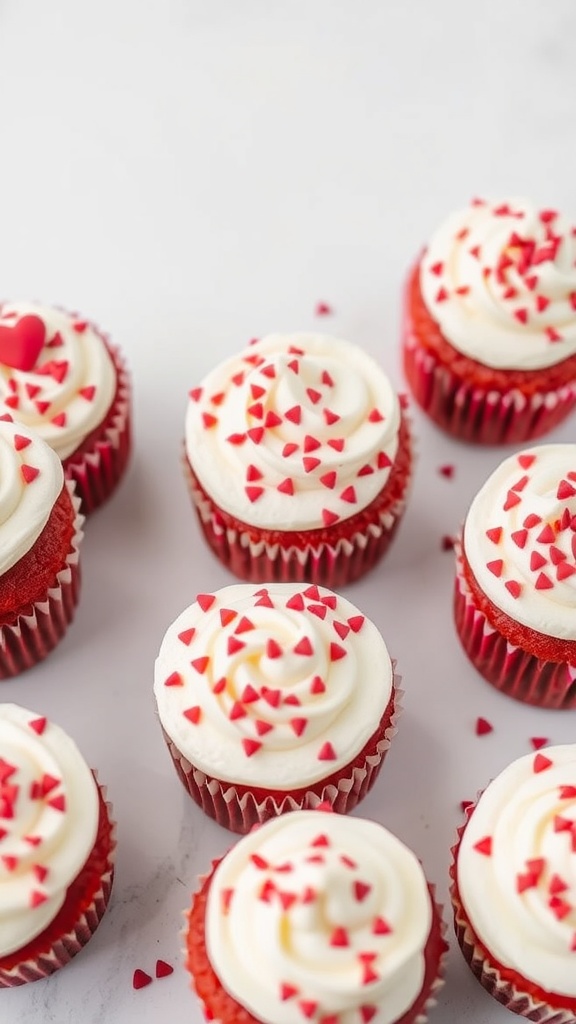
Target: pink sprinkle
[328, 517]
[327, 752]
[323, 309]
[541, 763]
[538, 742]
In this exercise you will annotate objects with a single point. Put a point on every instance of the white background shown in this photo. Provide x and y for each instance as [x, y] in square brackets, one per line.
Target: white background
[190, 174]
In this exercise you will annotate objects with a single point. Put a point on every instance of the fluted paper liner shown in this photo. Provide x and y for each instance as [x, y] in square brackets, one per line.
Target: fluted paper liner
[34, 634]
[343, 789]
[472, 413]
[99, 468]
[511, 669]
[69, 944]
[331, 564]
[424, 1002]
[478, 958]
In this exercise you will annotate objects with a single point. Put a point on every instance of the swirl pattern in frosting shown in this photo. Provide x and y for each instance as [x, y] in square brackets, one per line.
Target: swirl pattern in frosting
[516, 868]
[48, 822]
[56, 373]
[283, 684]
[318, 915]
[296, 432]
[499, 278]
[520, 538]
[31, 479]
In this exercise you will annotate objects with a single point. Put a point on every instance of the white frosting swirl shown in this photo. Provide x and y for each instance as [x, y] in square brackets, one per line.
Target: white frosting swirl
[48, 822]
[316, 914]
[69, 389]
[31, 479]
[278, 685]
[295, 432]
[499, 278]
[519, 887]
[520, 538]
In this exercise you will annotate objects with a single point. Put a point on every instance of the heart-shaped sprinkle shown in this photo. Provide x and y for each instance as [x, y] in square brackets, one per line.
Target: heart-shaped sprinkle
[22, 342]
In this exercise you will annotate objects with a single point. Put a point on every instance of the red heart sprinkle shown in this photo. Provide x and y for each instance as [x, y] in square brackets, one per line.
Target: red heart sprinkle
[22, 342]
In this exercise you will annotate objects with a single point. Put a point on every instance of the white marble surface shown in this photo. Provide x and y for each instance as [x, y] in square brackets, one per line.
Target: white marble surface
[192, 174]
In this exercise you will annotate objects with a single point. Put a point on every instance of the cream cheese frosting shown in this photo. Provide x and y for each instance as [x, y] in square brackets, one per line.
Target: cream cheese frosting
[56, 373]
[320, 915]
[298, 431]
[516, 868]
[31, 479]
[48, 822]
[499, 278]
[278, 685]
[520, 538]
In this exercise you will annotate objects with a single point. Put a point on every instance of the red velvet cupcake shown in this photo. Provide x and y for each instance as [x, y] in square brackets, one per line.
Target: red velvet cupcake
[40, 534]
[61, 376]
[313, 916]
[489, 337]
[515, 595]
[56, 848]
[514, 886]
[298, 456]
[273, 699]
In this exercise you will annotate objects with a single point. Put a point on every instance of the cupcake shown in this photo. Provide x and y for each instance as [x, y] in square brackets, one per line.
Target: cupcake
[60, 376]
[515, 593]
[275, 699]
[56, 848]
[40, 534]
[316, 917]
[514, 886]
[489, 336]
[298, 456]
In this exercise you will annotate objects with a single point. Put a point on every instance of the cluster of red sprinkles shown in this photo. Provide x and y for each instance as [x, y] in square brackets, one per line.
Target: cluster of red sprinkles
[536, 872]
[523, 256]
[47, 790]
[140, 978]
[254, 703]
[278, 890]
[25, 357]
[549, 563]
[265, 421]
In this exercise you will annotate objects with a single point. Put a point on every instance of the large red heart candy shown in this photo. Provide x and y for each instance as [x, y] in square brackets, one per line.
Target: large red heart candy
[22, 342]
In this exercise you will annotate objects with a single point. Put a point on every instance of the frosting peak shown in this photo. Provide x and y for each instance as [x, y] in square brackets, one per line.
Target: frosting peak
[48, 822]
[295, 432]
[56, 374]
[31, 479]
[520, 538]
[282, 683]
[500, 280]
[517, 868]
[318, 915]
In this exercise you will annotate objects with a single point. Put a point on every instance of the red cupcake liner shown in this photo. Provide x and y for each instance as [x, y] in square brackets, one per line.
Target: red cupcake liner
[99, 463]
[332, 557]
[56, 953]
[498, 982]
[37, 631]
[221, 1008]
[510, 668]
[239, 808]
[472, 413]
